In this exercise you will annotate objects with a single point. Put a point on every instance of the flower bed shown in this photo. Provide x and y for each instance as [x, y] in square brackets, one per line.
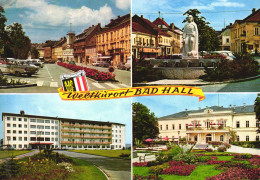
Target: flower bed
[140, 164]
[91, 73]
[254, 161]
[179, 168]
[210, 162]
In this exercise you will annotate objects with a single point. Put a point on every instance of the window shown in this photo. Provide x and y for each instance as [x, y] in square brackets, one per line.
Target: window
[52, 121]
[257, 123]
[221, 138]
[8, 131]
[8, 125]
[40, 127]
[25, 132]
[19, 119]
[179, 126]
[40, 121]
[238, 124]
[33, 138]
[167, 127]
[32, 120]
[25, 120]
[56, 122]
[160, 127]
[33, 126]
[47, 139]
[14, 138]
[247, 123]
[14, 131]
[25, 138]
[25, 146]
[32, 132]
[47, 127]
[47, 133]
[52, 133]
[237, 138]
[20, 138]
[56, 133]
[256, 31]
[14, 125]
[47, 121]
[257, 138]
[227, 40]
[52, 139]
[20, 146]
[56, 139]
[56, 127]
[173, 126]
[25, 126]
[19, 125]
[14, 145]
[52, 127]
[247, 138]
[14, 118]
[20, 132]
[8, 118]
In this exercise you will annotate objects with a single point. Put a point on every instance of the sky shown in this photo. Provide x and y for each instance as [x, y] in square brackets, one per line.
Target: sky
[166, 105]
[172, 10]
[50, 19]
[117, 110]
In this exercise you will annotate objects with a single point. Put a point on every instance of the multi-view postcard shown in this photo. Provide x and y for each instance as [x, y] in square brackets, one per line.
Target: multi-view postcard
[129, 89]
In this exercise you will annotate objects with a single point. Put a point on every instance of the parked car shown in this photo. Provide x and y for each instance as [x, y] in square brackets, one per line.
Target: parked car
[125, 66]
[19, 67]
[38, 63]
[96, 63]
[228, 54]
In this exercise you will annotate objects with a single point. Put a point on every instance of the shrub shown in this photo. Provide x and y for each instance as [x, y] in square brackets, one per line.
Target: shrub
[210, 162]
[140, 164]
[222, 149]
[151, 177]
[204, 158]
[209, 150]
[187, 158]
[124, 155]
[158, 169]
[254, 161]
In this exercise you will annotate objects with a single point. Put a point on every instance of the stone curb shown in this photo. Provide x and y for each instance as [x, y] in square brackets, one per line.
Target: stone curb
[18, 86]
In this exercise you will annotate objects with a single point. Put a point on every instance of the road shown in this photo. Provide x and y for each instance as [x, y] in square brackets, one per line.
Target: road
[246, 86]
[48, 81]
[114, 168]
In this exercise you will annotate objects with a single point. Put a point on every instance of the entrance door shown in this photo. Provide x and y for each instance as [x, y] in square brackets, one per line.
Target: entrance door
[208, 138]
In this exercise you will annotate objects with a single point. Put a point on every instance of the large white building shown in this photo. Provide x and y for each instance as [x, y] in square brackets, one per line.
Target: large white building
[211, 124]
[31, 131]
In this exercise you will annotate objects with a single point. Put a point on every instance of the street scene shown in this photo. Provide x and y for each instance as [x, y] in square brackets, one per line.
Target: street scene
[213, 44]
[32, 50]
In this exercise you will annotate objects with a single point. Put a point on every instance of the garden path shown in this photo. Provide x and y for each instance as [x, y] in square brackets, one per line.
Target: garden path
[237, 149]
[23, 155]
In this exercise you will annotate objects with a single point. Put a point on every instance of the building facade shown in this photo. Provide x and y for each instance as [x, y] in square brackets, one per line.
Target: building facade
[68, 47]
[114, 39]
[245, 35]
[23, 131]
[211, 124]
[225, 38]
[57, 51]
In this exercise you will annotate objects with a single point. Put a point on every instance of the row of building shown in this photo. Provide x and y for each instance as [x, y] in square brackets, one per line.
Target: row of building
[216, 123]
[22, 131]
[157, 38]
[111, 40]
[242, 35]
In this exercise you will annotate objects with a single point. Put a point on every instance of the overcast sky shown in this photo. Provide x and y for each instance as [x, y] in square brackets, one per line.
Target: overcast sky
[117, 110]
[215, 11]
[166, 105]
[50, 19]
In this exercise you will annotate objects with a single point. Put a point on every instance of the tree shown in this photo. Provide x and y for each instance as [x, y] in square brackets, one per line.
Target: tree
[19, 45]
[3, 35]
[208, 39]
[144, 123]
[257, 111]
[35, 53]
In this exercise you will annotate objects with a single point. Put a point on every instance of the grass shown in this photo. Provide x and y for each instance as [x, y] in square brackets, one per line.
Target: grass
[86, 170]
[106, 153]
[200, 173]
[144, 171]
[6, 154]
[225, 158]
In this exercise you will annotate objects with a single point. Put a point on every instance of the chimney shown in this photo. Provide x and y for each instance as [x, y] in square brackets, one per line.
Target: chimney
[230, 24]
[253, 10]
[142, 16]
[163, 19]
[111, 20]
[22, 112]
[172, 26]
[118, 17]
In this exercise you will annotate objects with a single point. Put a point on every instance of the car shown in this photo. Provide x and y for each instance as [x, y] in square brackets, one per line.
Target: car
[228, 54]
[104, 64]
[125, 66]
[72, 62]
[38, 63]
[96, 63]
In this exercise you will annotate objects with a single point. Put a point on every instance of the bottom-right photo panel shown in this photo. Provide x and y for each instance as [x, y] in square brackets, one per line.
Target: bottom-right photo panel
[178, 137]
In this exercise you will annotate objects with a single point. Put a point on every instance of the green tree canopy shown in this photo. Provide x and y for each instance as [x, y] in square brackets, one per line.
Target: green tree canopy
[257, 111]
[208, 39]
[144, 123]
[19, 45]
[35, 53]
[3, 35]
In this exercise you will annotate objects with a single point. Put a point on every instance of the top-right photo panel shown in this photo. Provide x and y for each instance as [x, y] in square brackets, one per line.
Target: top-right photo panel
[211, 44]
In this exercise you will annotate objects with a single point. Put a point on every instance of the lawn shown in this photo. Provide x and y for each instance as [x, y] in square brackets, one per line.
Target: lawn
[107, 153]
[86, 170]
[6, 154]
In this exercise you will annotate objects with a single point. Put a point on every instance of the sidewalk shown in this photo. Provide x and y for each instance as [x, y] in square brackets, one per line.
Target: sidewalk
[22, 155]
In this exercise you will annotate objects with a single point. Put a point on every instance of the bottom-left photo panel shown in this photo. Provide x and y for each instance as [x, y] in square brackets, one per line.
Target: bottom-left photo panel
[44, 137]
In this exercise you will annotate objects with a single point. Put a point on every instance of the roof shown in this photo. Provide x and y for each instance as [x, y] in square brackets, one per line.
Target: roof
[86, 33]
[236, 110]
[254, 17]
[139, 28]
[118, 20]
[61, 42]
[58, 118]
[160, 21]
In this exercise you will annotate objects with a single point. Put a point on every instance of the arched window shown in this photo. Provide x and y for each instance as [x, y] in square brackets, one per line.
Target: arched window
[195, 138]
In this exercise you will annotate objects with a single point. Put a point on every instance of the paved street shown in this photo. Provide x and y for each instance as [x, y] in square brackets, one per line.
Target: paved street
[115, 168]
[246, 86]
[48, 81]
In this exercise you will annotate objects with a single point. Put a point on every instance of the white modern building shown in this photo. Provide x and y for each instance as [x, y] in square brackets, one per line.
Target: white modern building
[211, 124]
[31, 131]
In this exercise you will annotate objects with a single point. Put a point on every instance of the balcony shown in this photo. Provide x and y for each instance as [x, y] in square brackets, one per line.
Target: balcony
[87, 143]
[85, 131]
[85, 126]
[87, 137]
[213, 128]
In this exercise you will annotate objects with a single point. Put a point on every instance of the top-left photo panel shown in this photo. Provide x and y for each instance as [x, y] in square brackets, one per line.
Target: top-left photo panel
[75, 45]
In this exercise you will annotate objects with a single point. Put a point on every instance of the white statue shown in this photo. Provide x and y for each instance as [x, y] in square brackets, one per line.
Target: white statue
[190, 39]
